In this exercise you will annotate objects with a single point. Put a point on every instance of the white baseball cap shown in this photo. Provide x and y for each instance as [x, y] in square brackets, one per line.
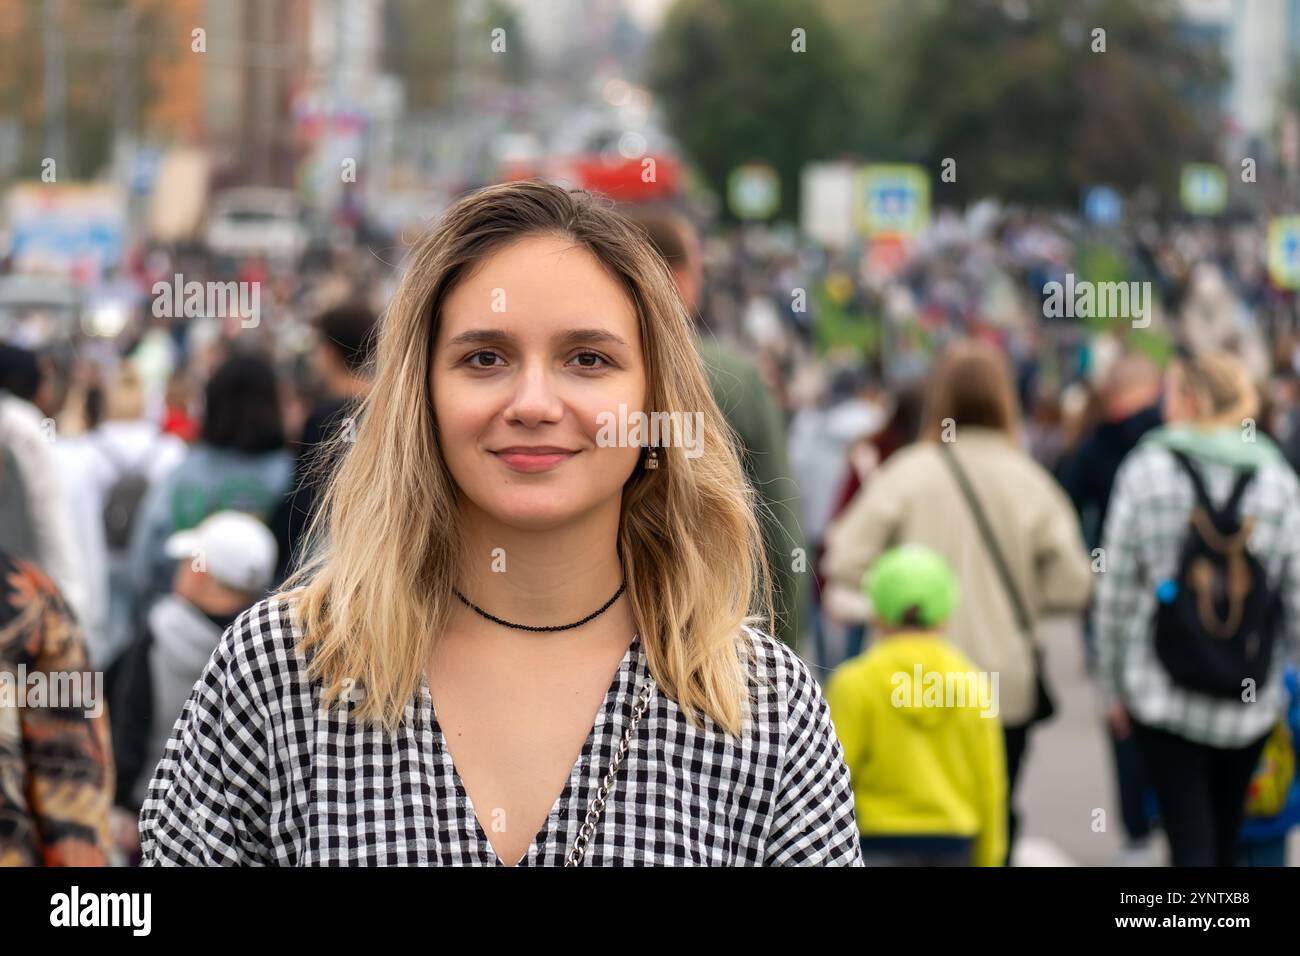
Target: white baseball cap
[236, 549]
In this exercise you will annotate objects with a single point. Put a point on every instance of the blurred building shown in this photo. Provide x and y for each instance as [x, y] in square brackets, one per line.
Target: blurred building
[1260, 43]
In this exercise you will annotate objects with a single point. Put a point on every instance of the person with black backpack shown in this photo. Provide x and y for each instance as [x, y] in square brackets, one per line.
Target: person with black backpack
[109, 471]
[1200, 586]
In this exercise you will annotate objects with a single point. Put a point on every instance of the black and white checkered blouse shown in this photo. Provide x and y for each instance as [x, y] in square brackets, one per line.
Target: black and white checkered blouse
[256, 772]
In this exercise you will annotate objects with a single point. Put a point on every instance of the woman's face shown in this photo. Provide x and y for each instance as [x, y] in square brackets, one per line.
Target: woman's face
[532, 347]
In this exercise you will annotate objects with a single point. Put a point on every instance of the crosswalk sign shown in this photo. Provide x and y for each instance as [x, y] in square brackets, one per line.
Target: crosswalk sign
[1204, 189]
[1284, 252]
[894, 200]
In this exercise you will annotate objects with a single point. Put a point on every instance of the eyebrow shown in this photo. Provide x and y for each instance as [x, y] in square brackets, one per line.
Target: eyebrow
[571, 337]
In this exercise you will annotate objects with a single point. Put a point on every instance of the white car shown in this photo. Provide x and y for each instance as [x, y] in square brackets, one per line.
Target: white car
[257, 222]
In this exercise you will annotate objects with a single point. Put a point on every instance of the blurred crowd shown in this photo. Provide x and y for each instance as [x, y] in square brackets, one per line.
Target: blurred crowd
[164, 479]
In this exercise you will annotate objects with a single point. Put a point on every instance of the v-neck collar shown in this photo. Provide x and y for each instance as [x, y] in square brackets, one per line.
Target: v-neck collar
[616, 708]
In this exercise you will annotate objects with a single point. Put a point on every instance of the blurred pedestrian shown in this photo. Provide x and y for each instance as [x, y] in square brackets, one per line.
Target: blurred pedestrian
[919, 725]
[1002, 523]
[38, 525]
[1202, 553]
[864, 457]
[222, 567]
[56, 765]
[177, 419]
[343, 355]
[746, 402]
[239, 463]
[109, 471]
[1130, 407]
[1273, 795]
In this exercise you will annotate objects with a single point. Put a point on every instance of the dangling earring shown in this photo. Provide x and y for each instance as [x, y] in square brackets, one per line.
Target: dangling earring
[652, 460]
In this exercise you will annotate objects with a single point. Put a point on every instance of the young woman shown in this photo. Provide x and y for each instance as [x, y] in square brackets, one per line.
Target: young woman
[522, 637]
[1198, 749]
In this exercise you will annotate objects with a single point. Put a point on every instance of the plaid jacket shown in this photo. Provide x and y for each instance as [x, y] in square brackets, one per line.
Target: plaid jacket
[257, 772]
[1141, 543]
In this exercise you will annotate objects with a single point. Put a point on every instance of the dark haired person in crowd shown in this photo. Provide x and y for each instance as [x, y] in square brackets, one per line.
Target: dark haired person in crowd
[239, 463]
[342, 358]
[747, 403]
[35, 520]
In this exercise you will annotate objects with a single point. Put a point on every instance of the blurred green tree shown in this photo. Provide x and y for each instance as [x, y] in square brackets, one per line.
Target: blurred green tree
[734, 89]
[1038, 100]
[419, 47]
[1018, 92]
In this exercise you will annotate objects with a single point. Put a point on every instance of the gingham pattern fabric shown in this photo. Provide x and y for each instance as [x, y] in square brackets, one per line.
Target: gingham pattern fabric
[1142, 541]
[255, 772]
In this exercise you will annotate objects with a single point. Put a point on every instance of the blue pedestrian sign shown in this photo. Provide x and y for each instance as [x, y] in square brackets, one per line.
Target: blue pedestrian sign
[1103, 206]
[894, 200]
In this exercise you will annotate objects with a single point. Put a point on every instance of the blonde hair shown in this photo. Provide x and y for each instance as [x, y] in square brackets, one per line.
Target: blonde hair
[378, 589]
[1219, 386]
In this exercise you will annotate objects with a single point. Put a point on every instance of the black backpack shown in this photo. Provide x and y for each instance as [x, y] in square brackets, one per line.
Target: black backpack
[123, 499]
[1216, 628]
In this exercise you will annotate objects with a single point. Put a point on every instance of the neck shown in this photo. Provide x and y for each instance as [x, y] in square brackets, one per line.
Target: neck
[551, 577]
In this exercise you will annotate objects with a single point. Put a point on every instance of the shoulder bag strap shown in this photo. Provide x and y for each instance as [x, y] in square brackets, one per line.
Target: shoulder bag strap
[1023, 621]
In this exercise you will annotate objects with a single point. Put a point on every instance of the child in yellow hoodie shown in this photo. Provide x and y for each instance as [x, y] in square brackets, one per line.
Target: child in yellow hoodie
[919, 726]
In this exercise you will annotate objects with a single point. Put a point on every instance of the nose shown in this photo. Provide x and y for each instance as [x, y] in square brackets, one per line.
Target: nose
[534, 400]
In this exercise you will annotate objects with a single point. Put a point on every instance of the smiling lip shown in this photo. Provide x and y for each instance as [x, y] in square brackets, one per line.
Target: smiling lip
[533, 458]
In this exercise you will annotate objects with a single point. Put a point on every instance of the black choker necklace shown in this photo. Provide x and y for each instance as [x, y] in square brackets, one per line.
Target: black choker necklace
[553, 627]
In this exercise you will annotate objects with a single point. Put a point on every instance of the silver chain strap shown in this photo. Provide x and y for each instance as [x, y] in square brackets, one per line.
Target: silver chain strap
[597, 804]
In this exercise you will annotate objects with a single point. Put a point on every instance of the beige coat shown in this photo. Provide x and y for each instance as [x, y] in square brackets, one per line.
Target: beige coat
[914, 499]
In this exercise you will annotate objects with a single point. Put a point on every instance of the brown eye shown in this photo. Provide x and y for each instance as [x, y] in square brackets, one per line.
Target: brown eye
[474, 363]
[596, 360]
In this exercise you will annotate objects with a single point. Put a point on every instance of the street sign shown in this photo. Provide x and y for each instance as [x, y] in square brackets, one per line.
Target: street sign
[753, 191]
[826, 203]
[1284, 252]
[1103, 206]
[894, 200]
[66, 228]
[1204, 189]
